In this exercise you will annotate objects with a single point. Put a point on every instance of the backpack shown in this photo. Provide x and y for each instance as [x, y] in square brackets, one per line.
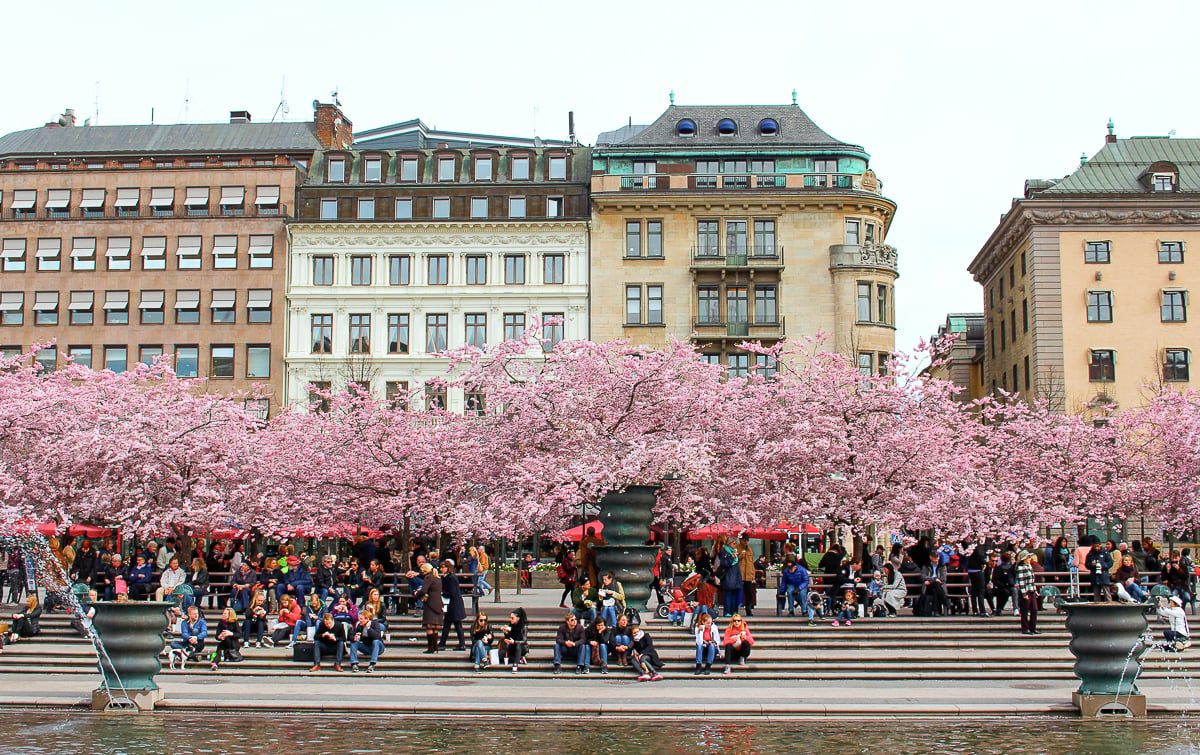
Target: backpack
[562, 573]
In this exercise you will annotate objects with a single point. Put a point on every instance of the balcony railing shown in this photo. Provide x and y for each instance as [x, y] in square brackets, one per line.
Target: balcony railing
[758, 255]
[710, 330]
[728, 182]
[41, 213]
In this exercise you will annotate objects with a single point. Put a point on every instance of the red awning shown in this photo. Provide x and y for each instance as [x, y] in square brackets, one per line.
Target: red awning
[575, 534]
[51, 529]
[779, 532]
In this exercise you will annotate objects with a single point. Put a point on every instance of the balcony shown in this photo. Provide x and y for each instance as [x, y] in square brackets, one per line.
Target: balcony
[708, 330]
[665, 182]
[869, 255]
[716, 257]
[76, 213]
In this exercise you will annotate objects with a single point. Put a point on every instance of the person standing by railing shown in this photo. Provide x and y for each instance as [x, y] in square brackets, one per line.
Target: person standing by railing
[1027, 594]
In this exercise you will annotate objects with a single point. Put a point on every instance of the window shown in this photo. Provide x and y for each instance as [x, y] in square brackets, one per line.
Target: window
[397, 334]
[708, 307]
[116, 307]
[318, 399]
[884, 313]
[516, 207]
[726, 127]
[223, 306]
[14, 255]
[154, 253]
[151, 307]
[436, 332]
[81, 307]
[514, 269]
[554, 207]
[12, 308]
[738, 364]
[360, 334]
[162, 201]
[708, 238]
[187, 253]
[654, 238]
[633, 305]
[514, 326]
[1099, 307]
[553, 329]
[1024, 268]
[710, 358]
[80, 355]
[865, 363]
[116, 358]
[881, 362]
[1025, 317]
[483, 168]
[408, 169]
[477, 330]
[1164, 182]
[262, 252]
[266, 200]
[322, 271]
[1003, 341]
[225, 252]
[685, 128]
[435, 396]
[553, 268]
[633, 238]
[147, 354]
[321, 331]
[735, 237]
[399, 270]
[337, 170]
[1001, 291]
[864, 301]
[519, 169]
[737, 309]
[187, 307]
[765, 365]
[396, 394]
[1096, 252]
[258, 305]
[221, 365]
[764, 238]
[441, 207]
[1028, 382]
[438, 267]
[83, 254]
[445, 168]
[707, 170]
[476, 270]
[329, 208]
[1174, 306]
[1013, 320]
[1175, 365]
[473, 403]
[45, 308]
[852, 232]
[1102, 366]
[654, 305]
[765, 309]
[127, 202]
[48, 254]
[1012, 277]
[195, 199]
[258, 408]
[479, 207]
[23, 203]
[558, 168]
[360, 270]
[58, 203]
[825, 166]
[366, 208]
[1170, 252]
[373, 170]
[404, 209]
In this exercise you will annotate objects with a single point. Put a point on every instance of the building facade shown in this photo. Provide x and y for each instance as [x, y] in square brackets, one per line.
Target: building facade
[124, 243]
[958, 355]
[727, 224]
[416, 242]
[1087, 279]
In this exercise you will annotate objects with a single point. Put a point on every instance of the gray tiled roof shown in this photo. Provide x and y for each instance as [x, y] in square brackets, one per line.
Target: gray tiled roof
[176, 139]
[795, 128]
[616, 136]
[1116, 168]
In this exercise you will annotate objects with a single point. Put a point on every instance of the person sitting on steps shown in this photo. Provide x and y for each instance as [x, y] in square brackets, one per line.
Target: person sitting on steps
[571, 640]
[329, 640]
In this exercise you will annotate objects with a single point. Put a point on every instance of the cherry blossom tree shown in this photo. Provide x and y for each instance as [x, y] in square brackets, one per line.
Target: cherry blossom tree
[1159, 475]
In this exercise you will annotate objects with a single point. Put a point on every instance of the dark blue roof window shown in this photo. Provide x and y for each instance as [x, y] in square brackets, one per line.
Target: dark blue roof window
[686, 127]
[726, 127]
[768, 127]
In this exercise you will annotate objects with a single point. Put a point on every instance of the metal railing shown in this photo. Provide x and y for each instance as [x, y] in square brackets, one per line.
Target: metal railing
[705, 329]
[77, 213]
[756, 255]
[741, 181]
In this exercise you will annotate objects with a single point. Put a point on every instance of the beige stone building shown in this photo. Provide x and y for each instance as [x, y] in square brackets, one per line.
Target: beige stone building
[727, 224]
[1087, 279]
[958, 357]
[123, 243]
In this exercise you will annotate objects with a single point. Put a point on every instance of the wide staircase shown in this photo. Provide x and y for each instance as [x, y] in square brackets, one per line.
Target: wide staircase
[902, 648]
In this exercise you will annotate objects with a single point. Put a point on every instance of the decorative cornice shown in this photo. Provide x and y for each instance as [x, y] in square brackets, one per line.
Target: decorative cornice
[393, 235]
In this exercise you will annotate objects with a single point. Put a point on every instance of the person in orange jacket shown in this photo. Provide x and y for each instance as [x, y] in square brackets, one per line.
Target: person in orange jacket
[738, 642]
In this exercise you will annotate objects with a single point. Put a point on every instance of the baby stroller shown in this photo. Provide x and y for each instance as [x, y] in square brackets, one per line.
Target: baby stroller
[663, 592]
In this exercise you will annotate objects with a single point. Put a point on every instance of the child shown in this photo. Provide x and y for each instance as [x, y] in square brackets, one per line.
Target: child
[677, 609]
[708, 638]
[875, 590]
[849, 608]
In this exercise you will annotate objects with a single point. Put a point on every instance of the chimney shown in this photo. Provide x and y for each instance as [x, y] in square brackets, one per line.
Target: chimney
[571, 125]
[334, 130]
[66, 120]
[239, 116]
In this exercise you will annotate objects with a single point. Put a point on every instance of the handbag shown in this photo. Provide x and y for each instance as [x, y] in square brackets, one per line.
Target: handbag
[494, 656]
[302, 652]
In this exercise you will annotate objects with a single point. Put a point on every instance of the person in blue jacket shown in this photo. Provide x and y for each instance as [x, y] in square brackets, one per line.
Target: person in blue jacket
[193, 631]
[794, 581]
[297, 582]
[141, 578]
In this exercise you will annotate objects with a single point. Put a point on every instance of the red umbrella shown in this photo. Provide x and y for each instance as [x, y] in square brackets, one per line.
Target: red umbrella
[575, 534]
[50, 529]
[728, 529]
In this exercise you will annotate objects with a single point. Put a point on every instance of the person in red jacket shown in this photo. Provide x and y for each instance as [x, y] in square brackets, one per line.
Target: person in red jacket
[289, 614]
[738, 642]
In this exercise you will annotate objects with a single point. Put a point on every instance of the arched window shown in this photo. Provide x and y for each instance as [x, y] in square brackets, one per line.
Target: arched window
[768, 127]
[726, 127]
[686, 127]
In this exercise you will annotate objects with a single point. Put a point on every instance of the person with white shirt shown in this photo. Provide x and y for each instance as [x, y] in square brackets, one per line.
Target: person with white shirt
[1177, 632]
[172, 577]
[165, 553]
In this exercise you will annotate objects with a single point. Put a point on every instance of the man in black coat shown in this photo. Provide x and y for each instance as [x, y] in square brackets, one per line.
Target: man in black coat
[456, 611]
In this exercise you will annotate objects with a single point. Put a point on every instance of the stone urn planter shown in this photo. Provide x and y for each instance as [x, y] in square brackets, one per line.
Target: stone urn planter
[626, 516]
[131, 634]
[1106, 640]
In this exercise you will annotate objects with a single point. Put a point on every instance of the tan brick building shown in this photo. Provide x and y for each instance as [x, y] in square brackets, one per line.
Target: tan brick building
[121, 243]
[1087, 279]
[726, 224]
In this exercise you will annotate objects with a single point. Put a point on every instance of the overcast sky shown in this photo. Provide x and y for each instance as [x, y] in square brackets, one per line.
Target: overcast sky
[957, 103]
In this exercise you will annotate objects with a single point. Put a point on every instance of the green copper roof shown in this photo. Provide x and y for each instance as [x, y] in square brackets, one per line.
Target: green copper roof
[1117, 168]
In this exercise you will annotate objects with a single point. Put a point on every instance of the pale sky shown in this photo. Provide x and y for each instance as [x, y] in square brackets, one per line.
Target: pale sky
[956, 102]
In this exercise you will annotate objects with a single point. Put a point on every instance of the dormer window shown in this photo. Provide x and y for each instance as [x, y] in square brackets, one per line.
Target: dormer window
[1164, 182]
[726, 127]
[768, 127]
[686, 127]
